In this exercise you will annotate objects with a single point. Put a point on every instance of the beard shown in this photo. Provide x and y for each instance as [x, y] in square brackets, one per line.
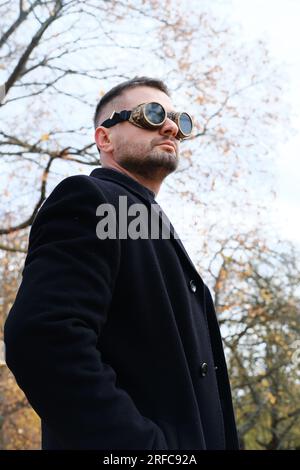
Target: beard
[152, 162]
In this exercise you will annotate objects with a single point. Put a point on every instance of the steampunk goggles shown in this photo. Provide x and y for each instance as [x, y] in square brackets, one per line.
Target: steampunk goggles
[152, 116]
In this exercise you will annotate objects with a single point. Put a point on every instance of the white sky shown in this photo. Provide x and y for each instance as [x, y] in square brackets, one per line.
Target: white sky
[278, 22]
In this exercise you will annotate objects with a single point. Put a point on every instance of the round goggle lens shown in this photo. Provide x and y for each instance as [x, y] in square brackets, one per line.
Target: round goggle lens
[185, 124]
[155, 113]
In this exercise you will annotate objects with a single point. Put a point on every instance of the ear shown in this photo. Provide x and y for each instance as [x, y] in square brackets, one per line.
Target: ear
[103, 140]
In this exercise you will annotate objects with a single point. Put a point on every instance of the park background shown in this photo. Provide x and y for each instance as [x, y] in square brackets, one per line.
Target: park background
[234, 200]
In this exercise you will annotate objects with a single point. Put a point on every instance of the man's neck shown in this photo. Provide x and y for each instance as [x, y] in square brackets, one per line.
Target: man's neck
[152, 184]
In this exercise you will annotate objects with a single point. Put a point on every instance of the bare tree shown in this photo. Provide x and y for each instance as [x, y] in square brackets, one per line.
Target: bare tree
[56, 53]
[57, 57]
[258, 302]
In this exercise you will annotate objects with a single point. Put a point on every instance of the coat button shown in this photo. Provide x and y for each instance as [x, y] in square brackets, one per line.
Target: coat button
[193, 286]
[203, 369]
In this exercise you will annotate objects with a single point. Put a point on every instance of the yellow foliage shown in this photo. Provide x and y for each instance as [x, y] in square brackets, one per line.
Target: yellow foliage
[20, 424]
[200, 99]
[271, 398]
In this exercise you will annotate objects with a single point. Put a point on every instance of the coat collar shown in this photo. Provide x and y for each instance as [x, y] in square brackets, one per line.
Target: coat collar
[149, 196]
[124, 180]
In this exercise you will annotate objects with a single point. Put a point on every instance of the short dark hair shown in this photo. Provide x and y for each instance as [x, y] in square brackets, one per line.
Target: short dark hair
[119, 89]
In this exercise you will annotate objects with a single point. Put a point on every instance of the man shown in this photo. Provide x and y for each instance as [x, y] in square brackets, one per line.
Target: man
[114, 339]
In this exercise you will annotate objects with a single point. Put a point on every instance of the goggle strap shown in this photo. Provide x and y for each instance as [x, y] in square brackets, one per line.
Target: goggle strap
[116, 118]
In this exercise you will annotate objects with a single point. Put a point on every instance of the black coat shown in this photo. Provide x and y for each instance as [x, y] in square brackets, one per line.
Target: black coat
[115, 342]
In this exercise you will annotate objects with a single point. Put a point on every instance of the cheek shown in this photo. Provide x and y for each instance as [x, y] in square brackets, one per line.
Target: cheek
[141, 139]
[121, 140]
[134, 139]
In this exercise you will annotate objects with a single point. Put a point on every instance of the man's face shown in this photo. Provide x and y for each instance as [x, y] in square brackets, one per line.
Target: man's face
[143, 151]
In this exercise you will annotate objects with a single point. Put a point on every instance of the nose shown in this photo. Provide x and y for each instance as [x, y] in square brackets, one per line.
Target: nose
[169, 127]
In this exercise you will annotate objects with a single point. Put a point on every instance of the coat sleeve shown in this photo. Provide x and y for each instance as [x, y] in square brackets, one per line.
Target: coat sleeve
[53, 327]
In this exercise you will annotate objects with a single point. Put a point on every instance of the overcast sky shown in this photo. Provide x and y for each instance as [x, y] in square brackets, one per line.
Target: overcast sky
[278, 23]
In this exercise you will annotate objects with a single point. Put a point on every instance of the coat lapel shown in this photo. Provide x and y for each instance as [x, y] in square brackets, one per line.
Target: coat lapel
[180, 249]
[148, 197]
